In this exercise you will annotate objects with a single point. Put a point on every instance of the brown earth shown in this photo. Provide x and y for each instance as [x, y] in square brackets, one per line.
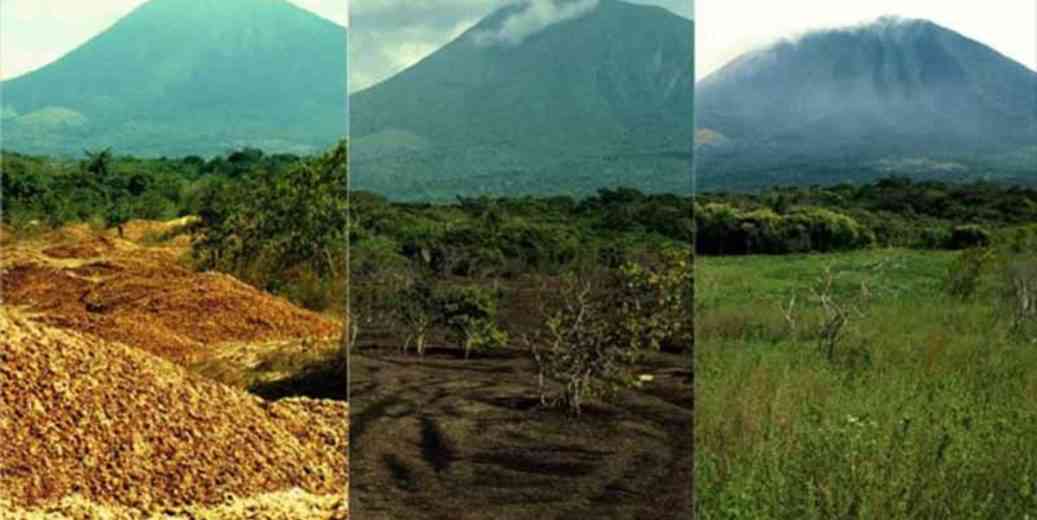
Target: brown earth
[119, 290]
[443, 438]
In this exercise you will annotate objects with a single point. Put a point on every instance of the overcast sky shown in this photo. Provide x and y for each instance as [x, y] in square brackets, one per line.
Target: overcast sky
[728, 28]
[34, 33]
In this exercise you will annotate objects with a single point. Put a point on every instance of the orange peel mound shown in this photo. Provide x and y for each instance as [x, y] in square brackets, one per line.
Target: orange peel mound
[92, 421]
[118, 290]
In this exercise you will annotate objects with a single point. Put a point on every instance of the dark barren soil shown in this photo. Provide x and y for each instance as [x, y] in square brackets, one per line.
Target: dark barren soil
[443, 438]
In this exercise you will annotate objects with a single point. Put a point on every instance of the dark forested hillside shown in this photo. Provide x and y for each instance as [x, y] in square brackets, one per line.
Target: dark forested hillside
[599, 99]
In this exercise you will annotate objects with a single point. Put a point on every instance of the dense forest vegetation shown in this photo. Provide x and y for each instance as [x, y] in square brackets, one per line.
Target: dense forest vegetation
[489, 236]
[104, 186]
[235, 193]
[892, 212]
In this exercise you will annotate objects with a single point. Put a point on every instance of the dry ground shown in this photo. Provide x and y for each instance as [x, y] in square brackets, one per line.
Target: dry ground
[443, 438]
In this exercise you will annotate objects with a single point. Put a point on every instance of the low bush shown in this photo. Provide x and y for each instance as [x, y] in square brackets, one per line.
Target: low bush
[579, 346]
[968, 236]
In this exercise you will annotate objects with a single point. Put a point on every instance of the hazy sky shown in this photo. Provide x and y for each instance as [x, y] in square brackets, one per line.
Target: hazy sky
[387, 36]
[34, 33]
[728, 28]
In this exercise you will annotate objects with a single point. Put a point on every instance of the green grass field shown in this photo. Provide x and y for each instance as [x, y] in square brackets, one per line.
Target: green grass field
[927, 407]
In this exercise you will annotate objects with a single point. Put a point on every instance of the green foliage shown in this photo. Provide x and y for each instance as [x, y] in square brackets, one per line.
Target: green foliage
[1022, 239]
[963, 276]
[376, 254]
[271, 224]
[580, 345]
[481, 238]
[470, 313]
[417, 309]
[968, 236]
[110, 188]
[938, 423]
[724, 229]
[892, 211]
[653, 304]
[596, 325]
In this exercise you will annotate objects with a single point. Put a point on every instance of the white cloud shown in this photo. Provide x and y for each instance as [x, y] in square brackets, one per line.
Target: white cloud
[726, 29]
[535, 17]
[409, 53]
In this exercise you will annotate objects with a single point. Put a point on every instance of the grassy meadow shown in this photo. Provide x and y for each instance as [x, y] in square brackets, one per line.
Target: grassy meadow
[923, 405]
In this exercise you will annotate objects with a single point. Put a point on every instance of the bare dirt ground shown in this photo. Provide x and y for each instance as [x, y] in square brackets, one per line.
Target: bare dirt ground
[99, 416]
[443, 438]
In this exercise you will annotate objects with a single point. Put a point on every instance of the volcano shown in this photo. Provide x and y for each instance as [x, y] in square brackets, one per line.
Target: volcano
[894, 91]
[179, 77]
[599, 95]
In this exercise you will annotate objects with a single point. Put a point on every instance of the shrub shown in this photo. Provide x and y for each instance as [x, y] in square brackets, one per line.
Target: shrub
[1019, 294]
[417, 310]
[722, 229]
[282, 221]
[653, 303]
[968, 236]
[935, 238]
[579, 346]
[830, 231]
[1022, 240]
[836, 314]
[470, 314]
[963, 276]
[373, 302]
[375, 255]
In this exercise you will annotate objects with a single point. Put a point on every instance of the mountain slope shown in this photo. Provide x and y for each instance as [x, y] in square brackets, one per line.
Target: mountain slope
[597, 99]
[892, 89]
[188, 77]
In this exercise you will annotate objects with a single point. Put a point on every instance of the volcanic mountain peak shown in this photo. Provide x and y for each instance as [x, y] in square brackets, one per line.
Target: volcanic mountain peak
[179, 77]
[892, 87]
[563, 91]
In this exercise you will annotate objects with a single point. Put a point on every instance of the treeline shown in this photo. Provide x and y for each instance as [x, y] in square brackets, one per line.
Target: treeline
[894, 211]
[492, 237]
[106, 187]
[279, 221]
